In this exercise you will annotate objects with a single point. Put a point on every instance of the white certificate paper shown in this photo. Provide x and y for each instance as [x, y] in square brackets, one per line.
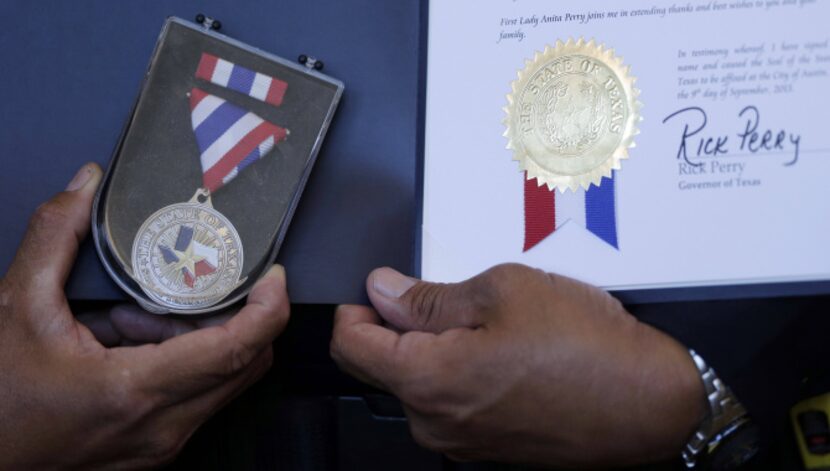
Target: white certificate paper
[729, 182]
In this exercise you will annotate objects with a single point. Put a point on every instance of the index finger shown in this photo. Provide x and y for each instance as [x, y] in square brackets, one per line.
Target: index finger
[203, 359]
[375, 354]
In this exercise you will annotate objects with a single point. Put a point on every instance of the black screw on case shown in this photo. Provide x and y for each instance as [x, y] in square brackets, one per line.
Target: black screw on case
[204, 20]
[310, 62]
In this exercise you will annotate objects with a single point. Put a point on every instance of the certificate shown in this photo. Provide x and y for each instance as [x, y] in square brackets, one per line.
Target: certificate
[633, 146]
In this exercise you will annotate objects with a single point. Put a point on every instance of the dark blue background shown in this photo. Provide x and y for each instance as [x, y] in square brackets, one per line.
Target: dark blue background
[70, 72]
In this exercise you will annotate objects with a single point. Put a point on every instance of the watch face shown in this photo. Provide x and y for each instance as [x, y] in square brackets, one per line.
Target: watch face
[735, 450]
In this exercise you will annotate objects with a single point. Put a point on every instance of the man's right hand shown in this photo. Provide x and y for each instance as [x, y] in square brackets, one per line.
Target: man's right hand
[519, 365]
[67, 401]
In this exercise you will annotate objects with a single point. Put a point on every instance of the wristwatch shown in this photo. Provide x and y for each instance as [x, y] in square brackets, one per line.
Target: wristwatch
[726, 438]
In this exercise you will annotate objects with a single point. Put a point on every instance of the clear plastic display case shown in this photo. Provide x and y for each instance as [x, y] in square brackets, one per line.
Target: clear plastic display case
[209, 169]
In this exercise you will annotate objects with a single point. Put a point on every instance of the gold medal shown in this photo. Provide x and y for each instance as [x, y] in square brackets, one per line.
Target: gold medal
[572, 115]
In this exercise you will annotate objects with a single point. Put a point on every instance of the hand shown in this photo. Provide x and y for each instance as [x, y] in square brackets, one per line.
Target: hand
[128, 325]
[518, 365]
[68, 401]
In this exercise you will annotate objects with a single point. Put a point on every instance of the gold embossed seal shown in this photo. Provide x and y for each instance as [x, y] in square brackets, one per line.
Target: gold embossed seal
[572, 115]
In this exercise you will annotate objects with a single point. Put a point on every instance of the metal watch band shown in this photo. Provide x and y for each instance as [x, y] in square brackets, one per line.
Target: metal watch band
[724, 416]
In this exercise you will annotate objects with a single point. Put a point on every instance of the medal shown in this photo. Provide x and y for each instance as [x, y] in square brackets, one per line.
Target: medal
[189, 256]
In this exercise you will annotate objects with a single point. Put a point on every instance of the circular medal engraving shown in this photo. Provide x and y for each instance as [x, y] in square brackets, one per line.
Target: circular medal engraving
[187, 256]
[572, 115]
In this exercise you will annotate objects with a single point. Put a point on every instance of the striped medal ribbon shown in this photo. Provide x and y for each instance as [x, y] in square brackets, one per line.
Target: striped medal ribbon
[241, 79]
[229, 137]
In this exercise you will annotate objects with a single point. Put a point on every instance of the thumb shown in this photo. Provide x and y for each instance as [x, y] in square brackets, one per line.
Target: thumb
[48, 249]
[410, 304]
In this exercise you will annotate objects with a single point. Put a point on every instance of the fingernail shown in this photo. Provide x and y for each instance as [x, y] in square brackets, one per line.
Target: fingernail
[80, 179]
[339, 309]
[277, 271]
[391, 284]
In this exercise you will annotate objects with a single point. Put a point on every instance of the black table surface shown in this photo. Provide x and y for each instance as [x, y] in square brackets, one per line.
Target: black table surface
[306, 414]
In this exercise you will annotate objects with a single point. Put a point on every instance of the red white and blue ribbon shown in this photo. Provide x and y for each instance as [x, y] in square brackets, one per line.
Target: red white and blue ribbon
[229, 137]
[229, 75]
[195, 259]
[546, 211]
